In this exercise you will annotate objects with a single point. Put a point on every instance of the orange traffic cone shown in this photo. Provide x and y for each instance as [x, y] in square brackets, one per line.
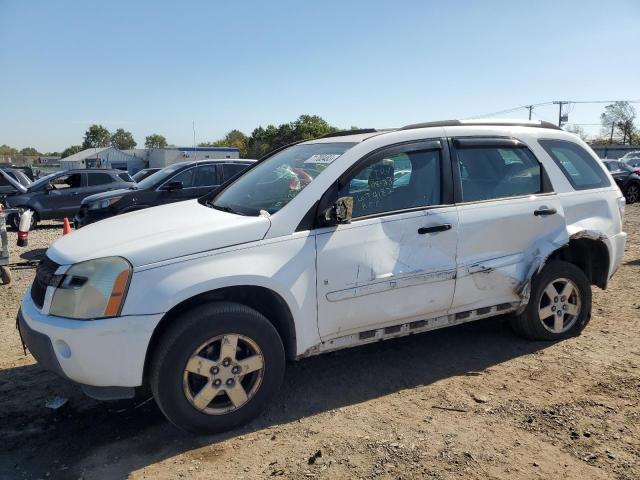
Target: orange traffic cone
[66, 228]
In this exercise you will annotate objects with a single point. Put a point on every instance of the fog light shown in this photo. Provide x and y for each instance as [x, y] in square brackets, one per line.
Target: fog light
[62, 348]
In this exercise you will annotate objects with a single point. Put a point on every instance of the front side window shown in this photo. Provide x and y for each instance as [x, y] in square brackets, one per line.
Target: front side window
[67, 181]
[394, 182]
[580, 168]
[187, 178]
[276, 181]
[488, 173]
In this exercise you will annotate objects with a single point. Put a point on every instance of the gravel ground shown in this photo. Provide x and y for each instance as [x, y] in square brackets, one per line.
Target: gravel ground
[473, 401]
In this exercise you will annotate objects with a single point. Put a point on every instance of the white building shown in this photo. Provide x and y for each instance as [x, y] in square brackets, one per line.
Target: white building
[162, 157]
[103, 157]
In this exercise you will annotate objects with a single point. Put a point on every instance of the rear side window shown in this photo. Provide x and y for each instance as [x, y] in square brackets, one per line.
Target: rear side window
[96, 179]
[206, 176]
[489, 173]
[580, 168]
[230, 170]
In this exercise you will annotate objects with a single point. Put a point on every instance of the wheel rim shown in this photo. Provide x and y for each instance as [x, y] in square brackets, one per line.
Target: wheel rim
[559, 306]
[223, 374]
[632, 194]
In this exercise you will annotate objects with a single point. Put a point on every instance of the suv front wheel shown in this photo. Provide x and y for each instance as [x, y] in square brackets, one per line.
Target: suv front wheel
[217, 367]
[559, 304]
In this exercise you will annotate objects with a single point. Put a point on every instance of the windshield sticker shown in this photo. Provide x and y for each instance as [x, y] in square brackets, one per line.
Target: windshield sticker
[322, 158]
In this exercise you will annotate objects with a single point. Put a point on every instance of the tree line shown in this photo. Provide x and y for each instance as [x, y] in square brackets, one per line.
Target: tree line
[618, 126]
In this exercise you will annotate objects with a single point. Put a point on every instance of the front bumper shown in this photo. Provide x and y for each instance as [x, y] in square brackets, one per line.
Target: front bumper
[85, 216]
[95, 353]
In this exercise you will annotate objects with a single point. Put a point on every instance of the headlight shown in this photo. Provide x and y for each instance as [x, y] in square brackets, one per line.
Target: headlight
[100, 204]
[92, 289]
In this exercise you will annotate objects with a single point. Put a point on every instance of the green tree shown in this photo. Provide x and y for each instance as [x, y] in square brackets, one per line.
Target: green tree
[7, 150]
[96, 136]
[306, 127]
[577, 130]
[30, 151]
[122, 140]
[618, 122]
[235, 139]
[71, 150]
[155, 140]
[51, 154]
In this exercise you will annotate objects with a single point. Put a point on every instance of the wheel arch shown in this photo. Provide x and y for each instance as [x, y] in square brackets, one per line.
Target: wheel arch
[589, 252]
[264, 300]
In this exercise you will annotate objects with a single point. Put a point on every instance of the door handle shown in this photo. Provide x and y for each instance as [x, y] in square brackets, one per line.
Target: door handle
[435, 229]
[542, 211]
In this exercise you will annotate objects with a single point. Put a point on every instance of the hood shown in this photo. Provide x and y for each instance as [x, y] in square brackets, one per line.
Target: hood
[108, 194]
[158, 233]
[17, 185]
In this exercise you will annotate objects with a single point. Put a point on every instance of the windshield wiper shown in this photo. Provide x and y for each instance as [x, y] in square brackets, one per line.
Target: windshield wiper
[224, 208]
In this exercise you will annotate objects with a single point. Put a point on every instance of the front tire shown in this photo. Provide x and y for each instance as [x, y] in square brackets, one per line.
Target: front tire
[217, 367]
[559, 305]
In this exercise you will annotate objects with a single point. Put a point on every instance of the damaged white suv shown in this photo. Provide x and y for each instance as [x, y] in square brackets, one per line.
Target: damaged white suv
[348, 239]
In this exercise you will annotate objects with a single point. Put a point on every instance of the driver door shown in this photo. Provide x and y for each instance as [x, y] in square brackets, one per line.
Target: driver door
[64, 199]
[396, 261]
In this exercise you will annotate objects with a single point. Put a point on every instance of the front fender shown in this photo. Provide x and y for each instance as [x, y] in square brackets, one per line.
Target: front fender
[286, 267]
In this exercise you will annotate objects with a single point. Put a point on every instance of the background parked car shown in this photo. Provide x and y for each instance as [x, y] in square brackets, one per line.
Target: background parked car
[60, 194]
[8, 187]
[142, 174]
[626, 178]
[177, 182]
[28, 171]
[633, 162]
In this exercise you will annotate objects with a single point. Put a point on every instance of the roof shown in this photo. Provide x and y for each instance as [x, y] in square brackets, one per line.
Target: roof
[363, 134]
[84, 154]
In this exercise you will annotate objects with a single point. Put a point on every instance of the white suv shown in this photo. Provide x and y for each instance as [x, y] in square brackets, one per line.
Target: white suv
[326, 244]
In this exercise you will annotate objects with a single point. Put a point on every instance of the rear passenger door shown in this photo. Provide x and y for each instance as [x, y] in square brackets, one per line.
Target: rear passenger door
[509, 216]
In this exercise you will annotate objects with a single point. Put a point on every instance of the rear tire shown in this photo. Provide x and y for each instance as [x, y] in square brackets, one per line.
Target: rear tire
[559, 306]
[217, 367]
[632, 194]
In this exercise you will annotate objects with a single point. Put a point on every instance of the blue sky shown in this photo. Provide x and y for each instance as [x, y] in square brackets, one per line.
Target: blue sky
[156, 66]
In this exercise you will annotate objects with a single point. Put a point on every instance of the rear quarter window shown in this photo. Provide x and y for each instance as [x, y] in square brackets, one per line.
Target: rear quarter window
[580, 168]
[125, 177]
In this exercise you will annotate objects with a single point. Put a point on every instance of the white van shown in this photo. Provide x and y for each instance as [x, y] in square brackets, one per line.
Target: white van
[331, 243]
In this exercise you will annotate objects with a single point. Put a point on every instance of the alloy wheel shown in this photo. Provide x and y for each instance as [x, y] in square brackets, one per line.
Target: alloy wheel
[223, 374]
[559, 305]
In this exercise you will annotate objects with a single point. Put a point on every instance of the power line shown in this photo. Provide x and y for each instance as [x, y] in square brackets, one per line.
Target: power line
[556, 102]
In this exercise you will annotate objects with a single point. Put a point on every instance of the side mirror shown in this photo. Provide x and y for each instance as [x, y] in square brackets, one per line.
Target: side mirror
[340, 212]
[173, 186]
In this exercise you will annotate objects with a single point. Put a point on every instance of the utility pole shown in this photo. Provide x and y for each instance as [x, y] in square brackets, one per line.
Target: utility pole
[560, 103]
[530, 107]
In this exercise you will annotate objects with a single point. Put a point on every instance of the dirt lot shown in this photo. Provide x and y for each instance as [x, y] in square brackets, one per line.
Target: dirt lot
[468, 402]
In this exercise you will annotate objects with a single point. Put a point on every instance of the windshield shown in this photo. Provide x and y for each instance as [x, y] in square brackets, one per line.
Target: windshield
[273, 183]
[157, 177]
[41, 182]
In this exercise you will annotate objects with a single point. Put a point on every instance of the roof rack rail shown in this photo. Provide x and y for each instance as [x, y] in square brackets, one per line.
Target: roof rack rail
[344, 133]
[506, 123]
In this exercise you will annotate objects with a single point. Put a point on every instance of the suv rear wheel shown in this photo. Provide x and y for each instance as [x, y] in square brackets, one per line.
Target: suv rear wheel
[217, 367]
[632, 194]
[559, 305]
